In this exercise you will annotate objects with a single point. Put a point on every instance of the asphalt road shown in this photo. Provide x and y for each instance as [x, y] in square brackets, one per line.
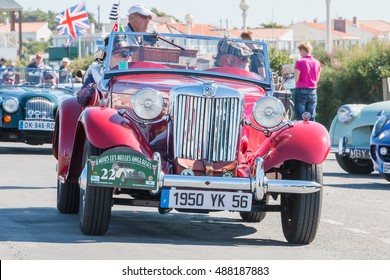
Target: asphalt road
[355, 223]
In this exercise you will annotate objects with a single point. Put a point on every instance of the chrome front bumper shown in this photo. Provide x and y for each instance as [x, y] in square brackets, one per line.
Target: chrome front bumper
[258, 184]
[351, 152]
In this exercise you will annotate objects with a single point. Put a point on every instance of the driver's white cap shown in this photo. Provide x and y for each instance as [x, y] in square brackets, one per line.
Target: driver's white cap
[141, 9]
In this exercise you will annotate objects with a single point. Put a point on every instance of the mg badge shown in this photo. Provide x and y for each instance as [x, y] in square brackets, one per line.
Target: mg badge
[187, 172]
[208, 90]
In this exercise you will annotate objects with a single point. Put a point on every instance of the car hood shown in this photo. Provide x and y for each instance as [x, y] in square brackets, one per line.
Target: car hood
[369, 113]
[21, 93]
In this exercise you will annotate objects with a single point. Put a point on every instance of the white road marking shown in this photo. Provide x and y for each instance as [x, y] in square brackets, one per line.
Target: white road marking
[332, 222]
[357, 230]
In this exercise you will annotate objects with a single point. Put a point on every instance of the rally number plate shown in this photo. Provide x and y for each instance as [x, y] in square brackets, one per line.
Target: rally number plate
[36, 125]
[206, 200]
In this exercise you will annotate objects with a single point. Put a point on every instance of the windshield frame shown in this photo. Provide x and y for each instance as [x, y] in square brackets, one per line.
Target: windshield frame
[108, 73]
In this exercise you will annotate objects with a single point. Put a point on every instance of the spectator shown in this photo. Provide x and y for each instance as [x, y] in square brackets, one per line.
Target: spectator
[232, 54]
[37, 62]
[257, 58]
[307, 73]
[139, 17]
[2, 68]
[34, 69]
[64, 72]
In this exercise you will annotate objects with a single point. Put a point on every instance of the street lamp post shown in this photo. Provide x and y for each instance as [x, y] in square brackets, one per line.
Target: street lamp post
[328, 28]
[189, 20]
[244, 6]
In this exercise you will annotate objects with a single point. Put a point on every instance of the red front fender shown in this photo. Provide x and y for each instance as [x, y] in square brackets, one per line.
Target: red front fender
[66, 121]
[306, 141]
[105, 128]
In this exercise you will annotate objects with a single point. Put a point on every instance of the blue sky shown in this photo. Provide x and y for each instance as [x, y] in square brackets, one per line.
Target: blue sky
[217, 11]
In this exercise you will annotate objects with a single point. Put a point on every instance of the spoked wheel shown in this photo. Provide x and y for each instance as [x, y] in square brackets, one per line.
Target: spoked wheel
[68, 196]
[301, 218]
[95, 202]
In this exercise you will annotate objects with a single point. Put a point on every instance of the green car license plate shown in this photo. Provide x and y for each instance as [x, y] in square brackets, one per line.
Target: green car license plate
[206, 200]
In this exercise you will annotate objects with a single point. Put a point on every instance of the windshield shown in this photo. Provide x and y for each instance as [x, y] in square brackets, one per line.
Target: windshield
[191, 53]
[36, 77]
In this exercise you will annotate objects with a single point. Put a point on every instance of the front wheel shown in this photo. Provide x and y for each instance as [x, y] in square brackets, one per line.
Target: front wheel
[301, 217]
[355, 166]
[68, 196]
[95, 202]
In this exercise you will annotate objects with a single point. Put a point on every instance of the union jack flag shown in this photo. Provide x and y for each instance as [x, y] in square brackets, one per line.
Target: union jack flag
[73, 21]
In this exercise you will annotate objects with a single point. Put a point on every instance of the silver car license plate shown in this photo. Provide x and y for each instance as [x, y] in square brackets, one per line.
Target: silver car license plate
[36, 125]
[359, 153]
[206, 200]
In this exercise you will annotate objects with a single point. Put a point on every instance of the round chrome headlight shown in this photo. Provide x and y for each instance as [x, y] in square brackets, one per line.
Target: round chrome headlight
[147, 103]
[344, 114]
[268, 111]
[10, 105]
[379, 124]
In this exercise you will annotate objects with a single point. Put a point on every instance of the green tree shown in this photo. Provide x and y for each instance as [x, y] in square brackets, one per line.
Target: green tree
[353, 76]
[163, 14]
[272, 25]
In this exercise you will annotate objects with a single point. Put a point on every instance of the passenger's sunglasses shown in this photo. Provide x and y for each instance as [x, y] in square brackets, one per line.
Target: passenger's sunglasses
[145, 17]
[124, 54]
[8, 80]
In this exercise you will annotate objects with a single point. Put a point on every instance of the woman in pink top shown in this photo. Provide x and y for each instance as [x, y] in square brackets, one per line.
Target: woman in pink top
[307, 73]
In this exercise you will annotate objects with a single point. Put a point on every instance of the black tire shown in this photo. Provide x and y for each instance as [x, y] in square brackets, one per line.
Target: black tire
[386, 176]
[68, 197]
[301, 218]
[95, 202]
[355, 166]
[254, 217]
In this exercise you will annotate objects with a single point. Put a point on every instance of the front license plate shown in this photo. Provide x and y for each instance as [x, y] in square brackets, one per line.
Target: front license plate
[207, 200]
[359, 154]
[36, 125]
[385, 167]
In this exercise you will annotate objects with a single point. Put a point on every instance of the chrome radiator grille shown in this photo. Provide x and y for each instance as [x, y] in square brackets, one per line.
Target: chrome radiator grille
[39, 108]
[206, 128]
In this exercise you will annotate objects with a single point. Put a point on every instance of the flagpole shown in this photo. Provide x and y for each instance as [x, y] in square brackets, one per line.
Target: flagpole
[79, 47]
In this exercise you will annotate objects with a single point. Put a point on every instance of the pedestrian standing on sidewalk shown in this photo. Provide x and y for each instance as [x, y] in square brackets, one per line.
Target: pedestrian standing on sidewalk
[307, 73]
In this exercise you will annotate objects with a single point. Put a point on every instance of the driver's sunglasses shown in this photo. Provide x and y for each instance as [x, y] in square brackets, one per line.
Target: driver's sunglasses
[124, 54]
[8, 80]
[145, 17]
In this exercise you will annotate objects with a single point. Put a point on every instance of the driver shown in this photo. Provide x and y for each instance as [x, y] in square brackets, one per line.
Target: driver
[49, 78]
[122, 54]
[232, 54]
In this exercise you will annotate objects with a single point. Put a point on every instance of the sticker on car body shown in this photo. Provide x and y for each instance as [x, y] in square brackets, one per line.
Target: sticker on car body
[123, 170]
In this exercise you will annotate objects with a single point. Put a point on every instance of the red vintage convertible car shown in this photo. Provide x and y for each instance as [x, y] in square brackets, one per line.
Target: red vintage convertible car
[176, 128]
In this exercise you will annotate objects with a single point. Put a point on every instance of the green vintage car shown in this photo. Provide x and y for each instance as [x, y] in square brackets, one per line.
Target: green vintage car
[350, 133]
[28, 104]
